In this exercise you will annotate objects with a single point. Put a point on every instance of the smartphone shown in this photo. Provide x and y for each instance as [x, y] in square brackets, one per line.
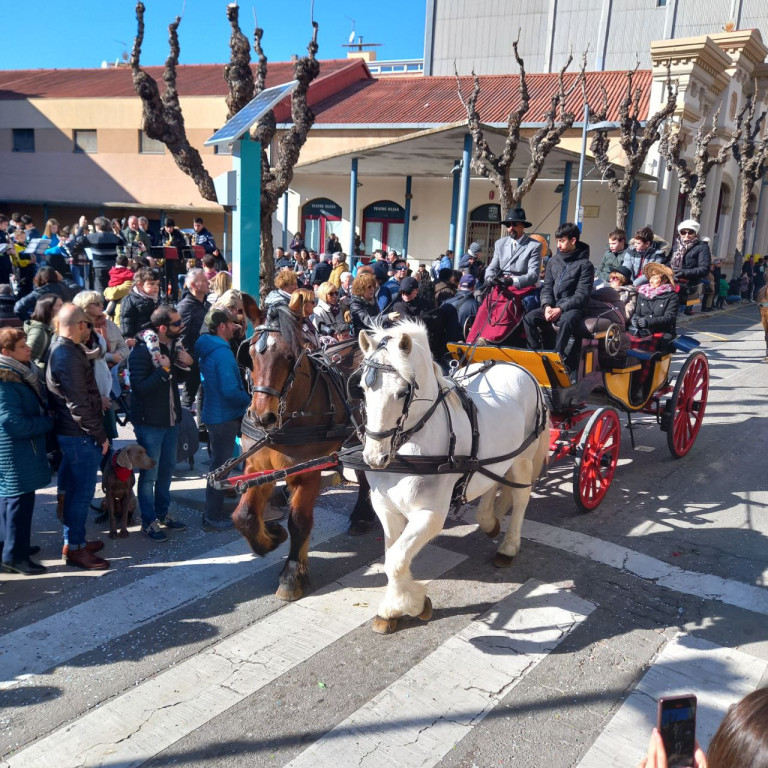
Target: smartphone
[677, 726]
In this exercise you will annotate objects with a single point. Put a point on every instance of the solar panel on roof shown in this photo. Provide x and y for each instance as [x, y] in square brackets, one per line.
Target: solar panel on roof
[251, 113]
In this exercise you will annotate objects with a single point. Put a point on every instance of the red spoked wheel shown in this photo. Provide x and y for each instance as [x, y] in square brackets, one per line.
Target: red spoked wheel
[688, 403]
[596, 458]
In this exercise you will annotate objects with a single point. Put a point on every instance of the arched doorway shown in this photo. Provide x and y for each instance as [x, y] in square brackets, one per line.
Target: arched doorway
[383, 226]
[320, 218]
[484, 228]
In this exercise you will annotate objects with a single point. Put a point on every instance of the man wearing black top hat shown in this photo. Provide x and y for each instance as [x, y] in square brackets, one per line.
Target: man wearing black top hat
[512, 274]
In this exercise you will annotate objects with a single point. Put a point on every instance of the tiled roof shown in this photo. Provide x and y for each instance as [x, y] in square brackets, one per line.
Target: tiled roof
[192, 80]
[419, 100]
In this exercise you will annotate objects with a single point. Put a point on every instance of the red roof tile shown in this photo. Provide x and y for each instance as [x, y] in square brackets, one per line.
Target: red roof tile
[193, 80]
[435, 99]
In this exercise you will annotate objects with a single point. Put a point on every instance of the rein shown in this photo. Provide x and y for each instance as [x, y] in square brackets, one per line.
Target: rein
[451, 463]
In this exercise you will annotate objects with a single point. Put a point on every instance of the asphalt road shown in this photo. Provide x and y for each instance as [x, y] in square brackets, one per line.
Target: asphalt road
[181, 655]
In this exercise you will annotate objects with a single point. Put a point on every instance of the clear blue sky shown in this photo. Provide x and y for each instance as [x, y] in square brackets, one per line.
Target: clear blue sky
[83, 33]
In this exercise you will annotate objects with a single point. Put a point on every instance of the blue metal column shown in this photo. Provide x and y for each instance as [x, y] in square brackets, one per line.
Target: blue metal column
[461, 223]
[407, 223]
[631, 210]
[454, 211]
[566, 191]
[285, 220]
[352, 207]
[246, 217]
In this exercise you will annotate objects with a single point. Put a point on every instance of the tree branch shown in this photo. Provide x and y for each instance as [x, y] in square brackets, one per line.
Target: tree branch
[238, 73]
[161, 114]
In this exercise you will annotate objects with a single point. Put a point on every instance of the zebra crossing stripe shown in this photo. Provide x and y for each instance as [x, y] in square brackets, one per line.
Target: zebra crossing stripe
[418, 719]
[717, 676]
[134, 727]
[703, 585]
[33, 649]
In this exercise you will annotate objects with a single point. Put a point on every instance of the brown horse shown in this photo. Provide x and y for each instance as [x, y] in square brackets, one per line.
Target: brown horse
[302, 407]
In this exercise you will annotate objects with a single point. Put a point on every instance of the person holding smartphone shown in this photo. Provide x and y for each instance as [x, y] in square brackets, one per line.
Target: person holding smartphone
[741, 741]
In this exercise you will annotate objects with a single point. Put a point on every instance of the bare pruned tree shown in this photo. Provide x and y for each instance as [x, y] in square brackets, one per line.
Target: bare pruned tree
[557, 120]
[693, 177]
[163, 120]
[635, 139]
[750, 150]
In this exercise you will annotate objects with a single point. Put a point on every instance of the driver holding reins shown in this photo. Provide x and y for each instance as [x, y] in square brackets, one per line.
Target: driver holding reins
[514, 272]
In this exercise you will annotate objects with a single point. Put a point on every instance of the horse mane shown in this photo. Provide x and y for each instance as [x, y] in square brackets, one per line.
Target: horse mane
[420, 347]
[290, 328]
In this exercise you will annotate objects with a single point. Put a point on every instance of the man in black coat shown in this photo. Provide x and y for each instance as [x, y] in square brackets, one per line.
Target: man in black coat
[156, 414]
[564, 295]
[192, 309]
[78, 411]
[103, 244]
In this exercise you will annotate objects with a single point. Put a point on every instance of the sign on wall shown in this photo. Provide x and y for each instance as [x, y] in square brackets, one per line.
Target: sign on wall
[384, 209]
[490, 212]
[323, 207]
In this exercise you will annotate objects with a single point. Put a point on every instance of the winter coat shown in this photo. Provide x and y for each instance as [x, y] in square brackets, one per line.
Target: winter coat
[115, 344]
[225, 396]
[362, 313]
[135, 311]
[115, 295]
[337, 272]
[39, 337]
[696, 263]
[26, 305]
[628, 294]
[465, 305]
[657, 314]
[326, 321]
[609, 263]
[321, 273]
[23, 425]
[568, 280]
[634, 261]
[7, 303]
[155, 400]
[192, 313]
[444, 291]
[523, 262]
[74, 397]
[103, 246]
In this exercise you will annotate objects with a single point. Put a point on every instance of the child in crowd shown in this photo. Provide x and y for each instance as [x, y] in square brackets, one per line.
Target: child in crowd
[119, 286]
[209, 266]
[722, 293]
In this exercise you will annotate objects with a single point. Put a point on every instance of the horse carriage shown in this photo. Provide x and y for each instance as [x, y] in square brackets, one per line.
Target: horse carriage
[431, 442]
[617, 373]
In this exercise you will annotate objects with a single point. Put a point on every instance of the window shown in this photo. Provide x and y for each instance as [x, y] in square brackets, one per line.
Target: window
[149, 146]
[85, 142]
[661, 3]
[23, 139]
[222, 149]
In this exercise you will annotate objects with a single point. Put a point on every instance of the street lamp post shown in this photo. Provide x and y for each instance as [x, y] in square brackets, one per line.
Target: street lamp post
[603, 125]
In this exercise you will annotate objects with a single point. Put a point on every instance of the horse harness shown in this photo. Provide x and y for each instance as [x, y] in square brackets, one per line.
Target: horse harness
[324, 369]
[466, 466]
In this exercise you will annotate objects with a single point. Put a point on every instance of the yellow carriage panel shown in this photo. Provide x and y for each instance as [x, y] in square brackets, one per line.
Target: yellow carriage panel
[530, 360]
[618, 382]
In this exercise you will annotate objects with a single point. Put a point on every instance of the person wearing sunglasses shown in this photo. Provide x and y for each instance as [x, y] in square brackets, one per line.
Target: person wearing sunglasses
[155, 413]
[76, 407]
[327, 316]
[690, 261]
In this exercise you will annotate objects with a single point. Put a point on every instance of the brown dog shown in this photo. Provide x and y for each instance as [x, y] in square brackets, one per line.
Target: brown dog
[117, 483]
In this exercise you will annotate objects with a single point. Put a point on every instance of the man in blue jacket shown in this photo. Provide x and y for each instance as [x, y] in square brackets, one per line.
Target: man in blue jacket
[224, 404]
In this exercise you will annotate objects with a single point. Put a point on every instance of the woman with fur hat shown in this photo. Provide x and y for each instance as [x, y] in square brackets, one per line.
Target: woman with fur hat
[620, 279]
[657, 302]
[690, 260]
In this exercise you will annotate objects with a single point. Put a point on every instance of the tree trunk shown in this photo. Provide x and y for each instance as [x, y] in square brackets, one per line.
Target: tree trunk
[696, 202]
[747, 185]
[267, 264]
[622, 209]
[506, 197]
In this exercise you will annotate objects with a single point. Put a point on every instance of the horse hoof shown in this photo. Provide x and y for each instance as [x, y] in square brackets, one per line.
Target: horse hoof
[359, 527]
[494, 532]
[289, 595]
[503, 561]
[277, 533]
[426, 611]
[384, 626]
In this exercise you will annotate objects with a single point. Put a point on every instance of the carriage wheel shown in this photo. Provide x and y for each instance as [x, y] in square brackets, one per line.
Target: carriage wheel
[596, 457]
[688, 403]
[612, 341]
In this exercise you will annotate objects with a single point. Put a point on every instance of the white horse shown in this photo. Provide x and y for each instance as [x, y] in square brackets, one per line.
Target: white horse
[402, 387]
